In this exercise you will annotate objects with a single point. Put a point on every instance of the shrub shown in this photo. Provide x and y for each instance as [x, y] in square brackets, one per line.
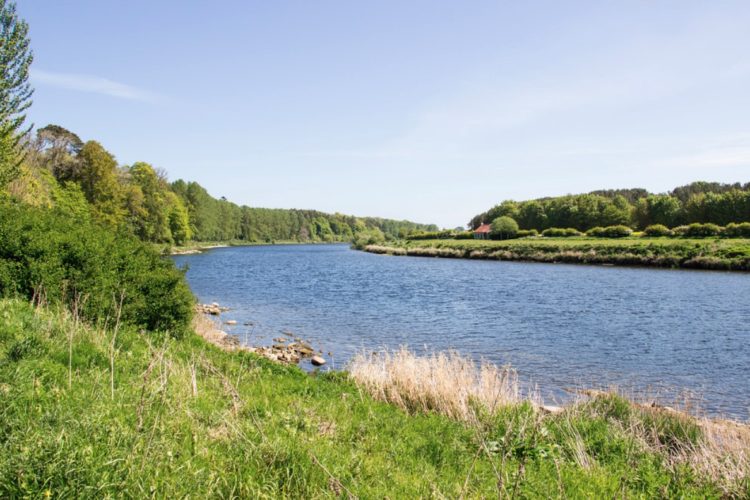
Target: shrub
[464, 235]
[42, 252]
[734, 230]
[697, 230]
[617, 231]
[504, 228]
[527, 233]
[368, 237]
[680, 230]
[557, 232]
[657, 230]
[610, 232]
[432, 235]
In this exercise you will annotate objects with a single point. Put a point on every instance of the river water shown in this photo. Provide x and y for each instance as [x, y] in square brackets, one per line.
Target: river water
[670, 335]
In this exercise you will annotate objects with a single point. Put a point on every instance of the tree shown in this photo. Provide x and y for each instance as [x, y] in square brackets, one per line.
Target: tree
[504, 228]
[97, 177]
[15, 90]
[58, 150]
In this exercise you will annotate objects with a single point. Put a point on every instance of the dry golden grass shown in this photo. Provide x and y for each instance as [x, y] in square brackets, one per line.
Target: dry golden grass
[447, 383]
[723, 454]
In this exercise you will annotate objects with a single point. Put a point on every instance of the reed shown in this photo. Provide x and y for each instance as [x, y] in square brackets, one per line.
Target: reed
[444, 382]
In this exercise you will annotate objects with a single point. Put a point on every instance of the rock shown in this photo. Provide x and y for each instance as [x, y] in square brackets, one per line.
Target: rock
[304, 348]
[230, 322]
[317, 361]
[279, 339]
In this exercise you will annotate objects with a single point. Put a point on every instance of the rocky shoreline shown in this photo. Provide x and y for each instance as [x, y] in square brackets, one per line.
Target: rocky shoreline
[287, 349]
[193, 250]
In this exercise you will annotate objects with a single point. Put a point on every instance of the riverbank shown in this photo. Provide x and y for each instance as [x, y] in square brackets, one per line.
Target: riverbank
[203, 246]
[719, 254]
[92, 411]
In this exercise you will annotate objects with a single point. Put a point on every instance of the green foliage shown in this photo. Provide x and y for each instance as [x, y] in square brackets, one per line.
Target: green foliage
[557, 232]
[657, 231]
[700, 202]
[697, 230]
[139, 198]
[431, 235]
[504, 228]
[737, 230]
[369, 237]
[97, 176]
[527, 233]
[15, 90]
[610, 232]
[69, 260]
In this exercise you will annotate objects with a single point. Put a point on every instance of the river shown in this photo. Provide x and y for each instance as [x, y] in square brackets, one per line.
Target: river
[669, 335]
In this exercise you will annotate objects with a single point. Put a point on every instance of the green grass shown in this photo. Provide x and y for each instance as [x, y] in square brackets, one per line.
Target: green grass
[180, 418]
[726, 254]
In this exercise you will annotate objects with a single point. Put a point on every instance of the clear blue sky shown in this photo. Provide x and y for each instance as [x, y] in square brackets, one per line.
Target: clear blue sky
[426, 110]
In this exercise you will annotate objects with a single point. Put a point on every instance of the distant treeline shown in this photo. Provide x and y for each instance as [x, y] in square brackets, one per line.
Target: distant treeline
[698, 202]
[84, 179]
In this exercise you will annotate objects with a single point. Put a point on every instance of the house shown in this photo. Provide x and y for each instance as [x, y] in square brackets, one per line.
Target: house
[482, 232]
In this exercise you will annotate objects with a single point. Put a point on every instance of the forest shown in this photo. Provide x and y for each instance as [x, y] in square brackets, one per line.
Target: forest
[59, 170]
[697, 202]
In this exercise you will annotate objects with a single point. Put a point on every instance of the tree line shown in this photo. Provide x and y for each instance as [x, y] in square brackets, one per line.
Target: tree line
[59, 169]
[698, 202]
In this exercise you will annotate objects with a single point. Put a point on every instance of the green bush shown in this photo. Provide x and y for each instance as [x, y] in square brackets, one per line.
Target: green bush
[697, 230]
[657, 230]
[619, 231]
[610, 232]
[526, 233]
[557, 232]
[504, 228]
[63, 260]
[680, 231]
[368, 237]
[734, 230]
[464, 235]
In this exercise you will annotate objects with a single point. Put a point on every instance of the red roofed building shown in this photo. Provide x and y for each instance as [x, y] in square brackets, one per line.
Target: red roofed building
[482, 232]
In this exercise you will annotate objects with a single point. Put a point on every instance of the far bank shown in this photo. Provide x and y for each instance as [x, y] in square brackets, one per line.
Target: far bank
[715, 254]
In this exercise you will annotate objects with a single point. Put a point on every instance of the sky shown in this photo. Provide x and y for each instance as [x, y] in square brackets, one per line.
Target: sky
[431, 111]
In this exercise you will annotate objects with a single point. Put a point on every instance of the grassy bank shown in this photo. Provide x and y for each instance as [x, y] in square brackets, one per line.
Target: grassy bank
[94, 412]
[726, 254]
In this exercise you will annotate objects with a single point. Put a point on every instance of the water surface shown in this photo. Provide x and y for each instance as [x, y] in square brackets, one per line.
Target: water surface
[656, 333]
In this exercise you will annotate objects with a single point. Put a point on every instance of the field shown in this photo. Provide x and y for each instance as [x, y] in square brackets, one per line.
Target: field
[725, 254]
[96, 412]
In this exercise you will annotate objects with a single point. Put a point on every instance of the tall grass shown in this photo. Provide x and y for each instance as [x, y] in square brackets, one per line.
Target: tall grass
[444, 382]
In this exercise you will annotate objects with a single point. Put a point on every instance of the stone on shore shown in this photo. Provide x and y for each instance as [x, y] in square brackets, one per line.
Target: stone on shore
[317, 361]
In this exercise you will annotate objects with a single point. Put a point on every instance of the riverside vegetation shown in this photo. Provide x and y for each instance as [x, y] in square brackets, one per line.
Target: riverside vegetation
[690, 253]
